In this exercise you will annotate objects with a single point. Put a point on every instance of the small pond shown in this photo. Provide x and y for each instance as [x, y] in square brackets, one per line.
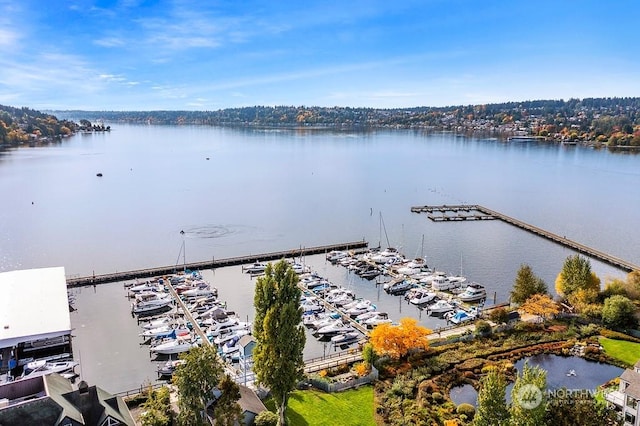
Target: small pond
[569, 372]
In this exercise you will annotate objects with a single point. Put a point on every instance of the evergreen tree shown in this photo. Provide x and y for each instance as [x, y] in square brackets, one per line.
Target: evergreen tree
[279, 333]
[526, 285]
[195, 380]
[528, 397]
[576, 275]
[492, 406]
[227, 411]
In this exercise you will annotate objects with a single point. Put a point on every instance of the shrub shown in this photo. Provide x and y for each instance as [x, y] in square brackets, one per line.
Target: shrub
[266, 418]
[483, 327]
[437, 397]
[499, 315]
[361, 369]
[618, 336]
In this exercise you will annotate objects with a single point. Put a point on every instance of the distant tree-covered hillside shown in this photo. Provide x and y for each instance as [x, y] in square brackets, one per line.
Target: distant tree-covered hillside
[615, 121]
[22, 125]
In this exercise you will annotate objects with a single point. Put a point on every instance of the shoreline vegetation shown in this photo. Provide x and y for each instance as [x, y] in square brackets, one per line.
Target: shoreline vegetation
[600, 122]
[597, 122]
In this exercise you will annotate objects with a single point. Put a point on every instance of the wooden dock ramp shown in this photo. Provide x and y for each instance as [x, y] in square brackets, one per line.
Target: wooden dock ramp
[453, 213]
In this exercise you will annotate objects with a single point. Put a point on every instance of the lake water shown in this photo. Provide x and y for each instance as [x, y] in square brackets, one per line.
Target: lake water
[588, 376]
[237, 192]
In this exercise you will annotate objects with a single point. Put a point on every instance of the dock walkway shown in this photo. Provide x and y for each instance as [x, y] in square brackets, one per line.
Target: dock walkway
[210, 264]
[477, 212]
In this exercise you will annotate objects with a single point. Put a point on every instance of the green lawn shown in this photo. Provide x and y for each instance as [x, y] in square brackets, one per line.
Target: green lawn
[314, 407]
[628, 352]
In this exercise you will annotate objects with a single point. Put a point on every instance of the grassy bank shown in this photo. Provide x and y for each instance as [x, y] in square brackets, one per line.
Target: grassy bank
[314, 407]
[628, 352]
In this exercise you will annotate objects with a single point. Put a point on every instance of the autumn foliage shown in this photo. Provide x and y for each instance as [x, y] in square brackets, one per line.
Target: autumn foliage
[396, 340]
[541, 305]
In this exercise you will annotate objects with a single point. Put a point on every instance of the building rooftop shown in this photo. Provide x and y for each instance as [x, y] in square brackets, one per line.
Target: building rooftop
[34, 305]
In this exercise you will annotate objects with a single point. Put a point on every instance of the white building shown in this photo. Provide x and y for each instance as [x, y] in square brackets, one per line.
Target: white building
[34, 315]
[627, 397]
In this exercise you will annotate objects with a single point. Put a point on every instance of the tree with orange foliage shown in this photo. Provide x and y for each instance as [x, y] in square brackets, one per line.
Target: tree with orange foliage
[397, 340]
[540, 304]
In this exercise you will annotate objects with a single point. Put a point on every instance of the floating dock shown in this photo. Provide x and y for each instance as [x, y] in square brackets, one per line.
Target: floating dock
[212, 264]
[450, 213]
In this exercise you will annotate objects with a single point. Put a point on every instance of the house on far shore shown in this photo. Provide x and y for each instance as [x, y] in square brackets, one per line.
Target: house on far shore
[627, 397]
[51, 400]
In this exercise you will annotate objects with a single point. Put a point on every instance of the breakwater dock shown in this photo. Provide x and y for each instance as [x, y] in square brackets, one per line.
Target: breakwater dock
[212, 264]
[474, 212]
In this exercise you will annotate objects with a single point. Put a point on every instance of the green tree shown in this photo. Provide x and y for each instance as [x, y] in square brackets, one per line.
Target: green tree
[267, 418]
[576, 275]
[195, 380]
[528, 397]
[567, 409]
[227, 411]
[526, 285]
[156, 409]
[280, 336]
[619, 311]
[492, 406]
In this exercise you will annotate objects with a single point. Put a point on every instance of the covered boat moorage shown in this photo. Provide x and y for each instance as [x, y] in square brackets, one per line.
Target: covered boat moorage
[34, 315]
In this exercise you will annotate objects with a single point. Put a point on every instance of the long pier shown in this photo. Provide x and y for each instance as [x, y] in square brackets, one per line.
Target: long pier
[211, 264]
[448, 213]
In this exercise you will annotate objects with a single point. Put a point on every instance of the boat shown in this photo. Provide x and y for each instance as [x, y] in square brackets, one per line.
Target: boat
[225, 337]
[200, 292]
[440, 306]
[151, 303]
[443, 283]
[422, 297]
[42, 367]
[335, 255]
[387, 256]
[162, 331]
[459, 316]
[398, 287]
[473, 293]
[158, 322]
[379, 318]
[218, 327]
[365, 316]
[169, 367]
[335, 327]
[360, 308]
[345, 338]
[174, 346]
[255, 268]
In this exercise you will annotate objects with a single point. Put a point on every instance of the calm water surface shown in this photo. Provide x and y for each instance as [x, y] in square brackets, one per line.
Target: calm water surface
[237, 192]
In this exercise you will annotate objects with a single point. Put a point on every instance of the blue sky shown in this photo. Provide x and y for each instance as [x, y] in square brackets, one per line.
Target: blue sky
[208, 55]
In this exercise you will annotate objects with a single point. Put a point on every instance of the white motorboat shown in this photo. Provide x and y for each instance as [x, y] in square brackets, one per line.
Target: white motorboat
[200, 292]
[335, 255]
[220, 326]
[151, 303]
[386, 256]
[175, 346]
[334, 328]
[159, 322]
[345, 338]
[158, 331]
[473, 293]
[379, 318]
[41, 367]
[255, 268]
[225, 337]
[365, 316]
[361, 308]
[169, 367]
[440, 306]
[423, 297]
[443, 283]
